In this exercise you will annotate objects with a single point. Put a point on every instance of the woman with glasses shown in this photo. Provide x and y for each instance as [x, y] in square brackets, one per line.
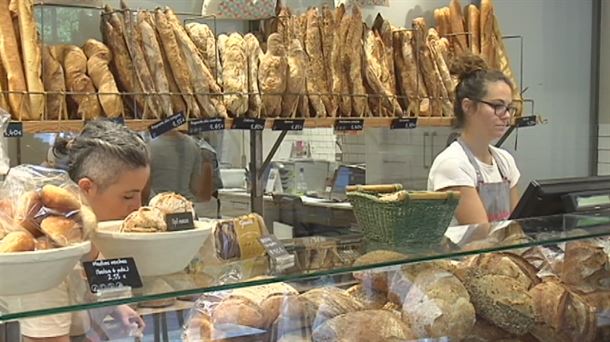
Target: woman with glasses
[485, 176]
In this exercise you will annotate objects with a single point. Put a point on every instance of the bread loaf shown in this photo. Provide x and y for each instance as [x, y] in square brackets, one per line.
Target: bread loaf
[340, 63]
[460, 39]
[474, 28]
[74, 62]
[202, 80]
[410, 81]
[328, 302]
[401, 281]
[431, 76]
[178, 66]
[372, 278]
[11, 60]
[365, 326]
[204, 39]
[386, 33]
[354, 52]
[439, 19]
[55, 84]
[585, 266]
[295, 87]
[123, 67]
[328, 30]
[370, 298]
[4, 87]
[437, 50]
[488, 47]
[32, 58]
[438, 305]
[235, 74]
[562, 315]
[154, 61]
[272, 73]
[507, 264]
[317, 79]
[144, 75]
[99, 56]
[240, 311]
[17, 241]
[377, 75]
[253, 54]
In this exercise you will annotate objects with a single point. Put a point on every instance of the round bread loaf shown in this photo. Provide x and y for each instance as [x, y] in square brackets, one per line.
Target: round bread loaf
[506, 264]
[585, 266]
[171, 203]
[144, 220]
[18, 241]
[370, 298]
[363, 326]
[60, 199]
[240, 311]
[376, 278]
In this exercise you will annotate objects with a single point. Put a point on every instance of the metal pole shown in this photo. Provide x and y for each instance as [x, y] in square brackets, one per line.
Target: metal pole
[256, 161]
[596, 24]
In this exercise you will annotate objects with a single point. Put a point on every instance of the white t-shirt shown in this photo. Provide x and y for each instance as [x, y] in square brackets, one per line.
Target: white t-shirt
[452, 168]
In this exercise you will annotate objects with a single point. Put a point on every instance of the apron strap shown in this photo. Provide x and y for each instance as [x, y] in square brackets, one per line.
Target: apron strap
[472, 160]
[502, 167]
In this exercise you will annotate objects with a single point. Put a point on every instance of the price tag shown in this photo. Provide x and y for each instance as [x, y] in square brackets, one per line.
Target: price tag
[14, 130]
[526, 121]
[404, 123]
[250, 124]
[349, 125]
[179, 221]
[166, 125]
[280, 259]
[288, 124]
[112, 274]
[206, 125]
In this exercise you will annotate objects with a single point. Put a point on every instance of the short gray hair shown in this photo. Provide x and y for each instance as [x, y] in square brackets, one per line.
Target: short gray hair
[102, 151]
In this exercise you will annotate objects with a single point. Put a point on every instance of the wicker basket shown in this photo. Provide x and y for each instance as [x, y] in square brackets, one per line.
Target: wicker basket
[403, 218]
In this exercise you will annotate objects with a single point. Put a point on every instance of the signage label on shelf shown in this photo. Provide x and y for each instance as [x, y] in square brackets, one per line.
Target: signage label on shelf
[250, 124]
[288, 124]
[349, 125]
[206, 125]
[112, 274]
[166, 125]
[279, 257]
[179, 221]
[14, 130]
[526, 121]
[404, 123]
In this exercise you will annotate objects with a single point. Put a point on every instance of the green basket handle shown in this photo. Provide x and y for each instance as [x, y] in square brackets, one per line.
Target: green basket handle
[379, 188]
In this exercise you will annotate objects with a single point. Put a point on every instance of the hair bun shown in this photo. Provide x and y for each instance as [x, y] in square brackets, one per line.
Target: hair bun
[466, 65]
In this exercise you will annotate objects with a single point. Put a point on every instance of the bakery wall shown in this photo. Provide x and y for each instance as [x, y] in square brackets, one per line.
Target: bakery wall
[603, 155]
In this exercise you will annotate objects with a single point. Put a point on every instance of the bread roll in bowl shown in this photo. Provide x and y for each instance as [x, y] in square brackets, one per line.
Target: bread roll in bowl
[17, 241]
[60, 199]
[145, 220]
[62, 230]
[172, 203]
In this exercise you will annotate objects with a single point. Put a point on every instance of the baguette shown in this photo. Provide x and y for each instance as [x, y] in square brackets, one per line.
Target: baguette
[447, 90]
[74, 61]
[474, 28]
[439, 19]
[300, 30]
[3, 87]
[385, 32]
[112, 30]
[428, 67]
[154, 61]
[272, 73]
[176, 61]
[410, 81]
[11, 60]
[487, 32]
[54, 81]
[204, 39]
[32, 58]
[340, 62]
[99, 56]
[328, 29]
[201, 79]
[353, 52]
[296, 82]
[253, 53]
[235, 74]
[460, 40]
[133, 40]
[317, 81]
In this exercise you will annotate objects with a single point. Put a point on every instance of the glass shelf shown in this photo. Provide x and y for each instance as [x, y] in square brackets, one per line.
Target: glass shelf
[460, 241]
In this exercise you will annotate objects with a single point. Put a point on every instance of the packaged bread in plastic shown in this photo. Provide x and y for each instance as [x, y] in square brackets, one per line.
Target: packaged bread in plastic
[46, 204]
[238, 238]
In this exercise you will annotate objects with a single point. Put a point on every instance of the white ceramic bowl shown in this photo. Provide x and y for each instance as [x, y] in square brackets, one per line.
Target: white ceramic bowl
[154, 253]
[37, 271]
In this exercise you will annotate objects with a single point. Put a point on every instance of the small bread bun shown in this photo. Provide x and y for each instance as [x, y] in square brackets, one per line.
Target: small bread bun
[61, 230]
[145, 220]
[60, 199]
[18, 241]
[28, 205]
[171, 203]
[43, 243]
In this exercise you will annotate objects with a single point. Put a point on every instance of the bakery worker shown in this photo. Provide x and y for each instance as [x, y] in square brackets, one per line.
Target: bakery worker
[177, 165]
[110, 164]
[485, 176]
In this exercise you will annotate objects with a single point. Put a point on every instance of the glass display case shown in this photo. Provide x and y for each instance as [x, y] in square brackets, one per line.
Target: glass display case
[543, 279]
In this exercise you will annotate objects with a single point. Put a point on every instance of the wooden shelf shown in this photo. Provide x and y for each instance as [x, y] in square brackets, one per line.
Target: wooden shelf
[142, 125]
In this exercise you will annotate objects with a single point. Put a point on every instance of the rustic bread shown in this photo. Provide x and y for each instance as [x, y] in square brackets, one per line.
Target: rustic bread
[488, 41]
[272, 73]
[235, 74]
[400, 282]
[372, 278]
[438, 51]
[370, 298]
[4, 87]
[11, 60]
[296, 83]
[365, 326]
[54, 83]
[317, 78]
[32, 58]
[409, 78]
[328, 30]
[507, 264]
[253, 54]
[204, 39]
[99, 56]
[460, 39]
[431, 77]
[585, 266]
[340, 65]
[325, 303]
[74, 62]
[474, 28]
[354, 52]
[438, 305]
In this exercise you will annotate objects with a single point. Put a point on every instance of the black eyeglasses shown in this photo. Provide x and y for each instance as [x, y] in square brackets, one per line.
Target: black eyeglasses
[500, 108]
